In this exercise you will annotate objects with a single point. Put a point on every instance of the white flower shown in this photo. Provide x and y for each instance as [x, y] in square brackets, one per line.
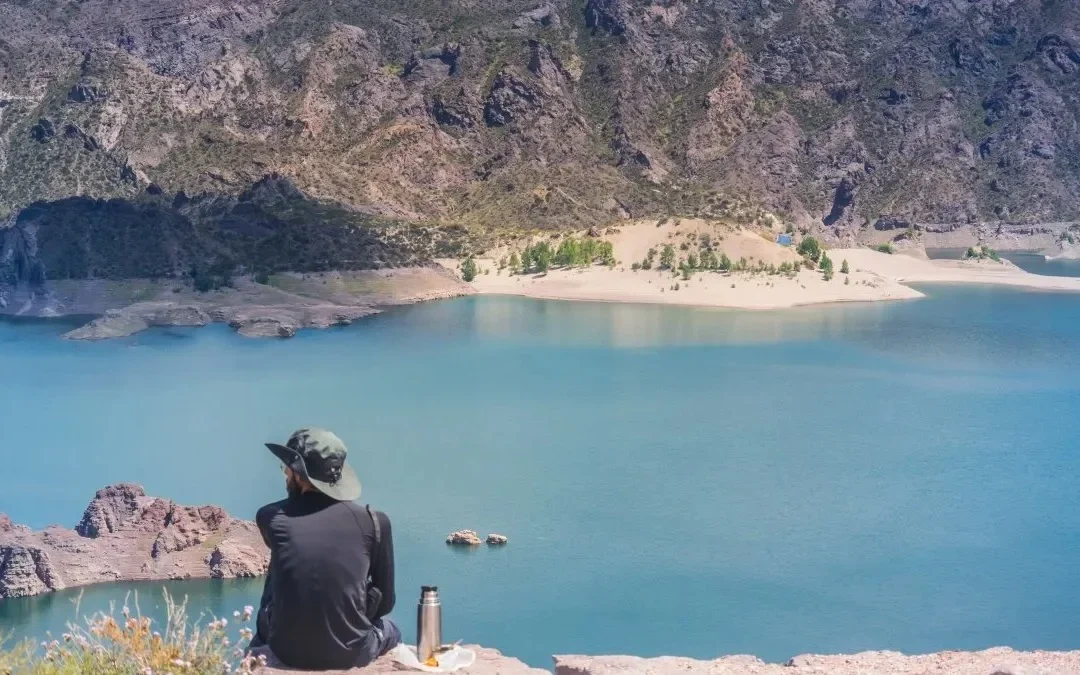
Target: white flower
[236, 614]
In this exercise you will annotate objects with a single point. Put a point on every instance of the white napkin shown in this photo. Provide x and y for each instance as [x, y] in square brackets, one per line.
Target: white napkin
[455, 658]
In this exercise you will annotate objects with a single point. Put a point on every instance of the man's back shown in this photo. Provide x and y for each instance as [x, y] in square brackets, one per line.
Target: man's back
[322, 553]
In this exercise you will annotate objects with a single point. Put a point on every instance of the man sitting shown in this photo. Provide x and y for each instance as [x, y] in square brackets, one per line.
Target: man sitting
[331, 579]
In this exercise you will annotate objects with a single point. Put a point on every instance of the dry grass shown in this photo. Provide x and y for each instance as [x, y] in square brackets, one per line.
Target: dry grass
[129, 644]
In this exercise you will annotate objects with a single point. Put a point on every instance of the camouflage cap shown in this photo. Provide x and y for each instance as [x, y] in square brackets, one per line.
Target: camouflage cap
[319, 455]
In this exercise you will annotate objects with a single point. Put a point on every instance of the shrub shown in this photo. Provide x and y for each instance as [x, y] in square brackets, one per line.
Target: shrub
[468, 269]
[844, 269]
[130, 644]
[885, 248]
[515, 263]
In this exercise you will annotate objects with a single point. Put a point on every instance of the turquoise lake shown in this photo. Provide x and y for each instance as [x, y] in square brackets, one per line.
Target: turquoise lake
[673, 480]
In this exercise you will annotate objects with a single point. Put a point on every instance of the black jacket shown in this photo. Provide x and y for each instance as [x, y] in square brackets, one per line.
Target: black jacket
[314, 612]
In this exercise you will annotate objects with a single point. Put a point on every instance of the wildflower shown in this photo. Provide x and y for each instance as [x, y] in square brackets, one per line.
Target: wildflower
[236, 614]
[224, 622]
[225, 641]
[248, 611]
[125, 611]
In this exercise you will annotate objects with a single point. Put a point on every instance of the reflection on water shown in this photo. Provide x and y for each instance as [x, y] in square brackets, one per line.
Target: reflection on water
[623, 325]
[979, 326]
[42, 614]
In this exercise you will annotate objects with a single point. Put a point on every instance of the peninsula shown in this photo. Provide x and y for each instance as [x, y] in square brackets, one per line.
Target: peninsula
[759, 272]
[125, 535]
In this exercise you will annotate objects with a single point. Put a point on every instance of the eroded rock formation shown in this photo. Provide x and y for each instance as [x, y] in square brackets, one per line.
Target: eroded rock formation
[125, 535]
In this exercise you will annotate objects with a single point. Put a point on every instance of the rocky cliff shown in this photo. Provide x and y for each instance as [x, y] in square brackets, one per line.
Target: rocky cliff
[183, 247]
[124, 535]
[834, 114]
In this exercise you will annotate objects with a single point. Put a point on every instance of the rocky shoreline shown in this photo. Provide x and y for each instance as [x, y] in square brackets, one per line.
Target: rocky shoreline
[289, 303]
[996, 661]
[125, 535]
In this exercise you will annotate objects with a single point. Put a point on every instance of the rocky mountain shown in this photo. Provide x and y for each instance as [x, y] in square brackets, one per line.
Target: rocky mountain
[833, 114]
[124, 535]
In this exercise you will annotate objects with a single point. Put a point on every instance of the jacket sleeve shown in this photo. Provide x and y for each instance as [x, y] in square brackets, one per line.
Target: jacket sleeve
[382, 573]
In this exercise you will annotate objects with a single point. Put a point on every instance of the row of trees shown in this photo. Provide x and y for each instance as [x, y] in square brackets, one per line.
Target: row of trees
[540, 257]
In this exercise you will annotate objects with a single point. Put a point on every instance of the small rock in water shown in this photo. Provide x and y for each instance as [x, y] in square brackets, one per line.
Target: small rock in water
[464, 538]
[496, 539]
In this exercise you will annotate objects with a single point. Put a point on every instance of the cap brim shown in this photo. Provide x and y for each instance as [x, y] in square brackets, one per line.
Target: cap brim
[347, 489]
[287, 455]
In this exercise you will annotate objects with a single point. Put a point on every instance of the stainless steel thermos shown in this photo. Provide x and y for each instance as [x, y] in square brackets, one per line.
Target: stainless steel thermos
[428, 623]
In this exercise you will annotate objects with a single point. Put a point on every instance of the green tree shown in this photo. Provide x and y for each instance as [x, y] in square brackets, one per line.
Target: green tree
[667, 257]
[568, 253]
[542, 256]
[588, 251]
[468, 269]
[725, 262]
[515, 263]
[810, 248]
[606, 253]
[826, 266]
[692, 261]
[844, 269]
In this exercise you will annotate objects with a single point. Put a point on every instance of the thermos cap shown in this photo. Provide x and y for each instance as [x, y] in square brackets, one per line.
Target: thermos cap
[429, 589]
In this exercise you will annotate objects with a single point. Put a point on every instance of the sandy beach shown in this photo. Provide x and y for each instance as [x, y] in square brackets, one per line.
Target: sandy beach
[873, 275]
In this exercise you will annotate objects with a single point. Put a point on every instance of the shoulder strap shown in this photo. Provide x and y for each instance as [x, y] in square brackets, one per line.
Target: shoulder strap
[378, 528]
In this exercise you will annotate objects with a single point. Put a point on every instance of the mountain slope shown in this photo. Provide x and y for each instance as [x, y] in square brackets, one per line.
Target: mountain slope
[834, 114]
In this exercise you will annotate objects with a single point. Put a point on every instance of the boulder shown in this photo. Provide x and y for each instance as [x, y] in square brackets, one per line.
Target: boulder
[464, 538]
[496, 539]
[110, 509]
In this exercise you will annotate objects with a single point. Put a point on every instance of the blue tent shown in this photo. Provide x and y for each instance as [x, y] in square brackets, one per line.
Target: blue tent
[783, 239]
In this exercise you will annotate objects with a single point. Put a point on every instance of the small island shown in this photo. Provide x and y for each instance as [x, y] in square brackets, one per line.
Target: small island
[125, 535]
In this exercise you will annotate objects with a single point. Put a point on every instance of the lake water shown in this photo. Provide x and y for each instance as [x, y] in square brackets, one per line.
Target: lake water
[672, 480]
[1029, 261]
